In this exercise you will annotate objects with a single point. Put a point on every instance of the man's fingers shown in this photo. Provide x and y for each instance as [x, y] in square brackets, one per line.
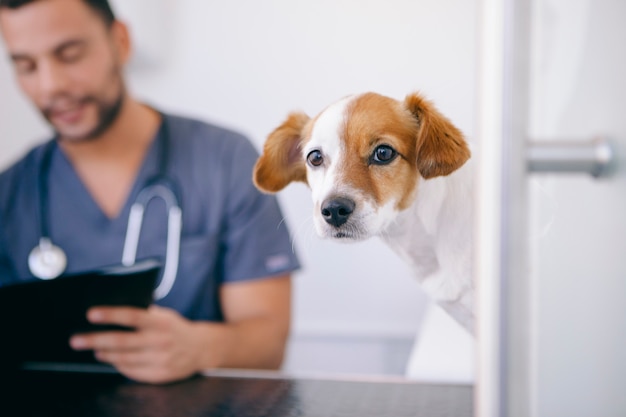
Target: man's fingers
[124, 316]
[123, 341]
[144, 321]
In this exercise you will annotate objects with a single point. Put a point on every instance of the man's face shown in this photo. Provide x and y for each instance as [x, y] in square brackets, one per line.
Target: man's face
[68, 62]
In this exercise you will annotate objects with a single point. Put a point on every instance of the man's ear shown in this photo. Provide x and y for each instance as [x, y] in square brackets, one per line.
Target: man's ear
[121, 41]
[281, 161]
[441, 147]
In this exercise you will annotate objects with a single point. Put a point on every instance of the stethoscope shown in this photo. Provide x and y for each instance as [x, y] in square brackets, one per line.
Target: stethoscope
[48, 261]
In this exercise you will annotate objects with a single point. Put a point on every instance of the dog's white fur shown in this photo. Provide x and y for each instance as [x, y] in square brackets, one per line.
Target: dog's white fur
[426, 220]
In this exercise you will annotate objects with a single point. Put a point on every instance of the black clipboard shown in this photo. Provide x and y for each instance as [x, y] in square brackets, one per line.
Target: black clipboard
[37, 318]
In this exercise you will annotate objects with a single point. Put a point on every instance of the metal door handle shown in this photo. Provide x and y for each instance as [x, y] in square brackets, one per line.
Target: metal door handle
[595, 157]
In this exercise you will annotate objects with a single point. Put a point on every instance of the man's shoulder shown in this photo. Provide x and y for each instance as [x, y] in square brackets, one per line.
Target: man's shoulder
[27, 163]
[22, 173]
[204, 151]
[197, 142]
[196, 130]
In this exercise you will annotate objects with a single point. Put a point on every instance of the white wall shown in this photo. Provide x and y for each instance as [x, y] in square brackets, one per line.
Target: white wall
[245, 64]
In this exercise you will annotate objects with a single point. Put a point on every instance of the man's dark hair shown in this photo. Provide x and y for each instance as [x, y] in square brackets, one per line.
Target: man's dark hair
[102, 7]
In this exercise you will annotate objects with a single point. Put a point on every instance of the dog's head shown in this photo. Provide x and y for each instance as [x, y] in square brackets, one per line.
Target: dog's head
[363, 158]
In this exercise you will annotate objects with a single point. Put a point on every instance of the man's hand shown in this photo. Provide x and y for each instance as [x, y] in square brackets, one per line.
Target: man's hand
[166, 346]
[162, 348]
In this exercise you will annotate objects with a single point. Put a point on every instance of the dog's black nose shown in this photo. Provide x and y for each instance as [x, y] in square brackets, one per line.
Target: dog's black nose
[337, 210]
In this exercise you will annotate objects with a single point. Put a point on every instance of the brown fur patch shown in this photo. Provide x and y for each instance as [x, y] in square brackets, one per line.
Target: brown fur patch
[374, 120]
[281, 161]
[441, 147]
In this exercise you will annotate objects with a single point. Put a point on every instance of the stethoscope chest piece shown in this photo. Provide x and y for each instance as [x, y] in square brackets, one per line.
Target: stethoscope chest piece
[46, 260]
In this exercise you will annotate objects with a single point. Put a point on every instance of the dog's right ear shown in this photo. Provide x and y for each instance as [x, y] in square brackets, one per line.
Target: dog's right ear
[281, 161]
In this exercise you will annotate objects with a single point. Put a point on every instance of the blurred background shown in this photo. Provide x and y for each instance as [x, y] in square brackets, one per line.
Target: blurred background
[245, 64]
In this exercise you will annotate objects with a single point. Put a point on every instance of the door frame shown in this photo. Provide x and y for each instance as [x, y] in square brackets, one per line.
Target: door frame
[501, 251]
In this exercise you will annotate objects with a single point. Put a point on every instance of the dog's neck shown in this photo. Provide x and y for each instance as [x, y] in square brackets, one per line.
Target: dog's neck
[440, 212]
[413, 233]
[434, 236]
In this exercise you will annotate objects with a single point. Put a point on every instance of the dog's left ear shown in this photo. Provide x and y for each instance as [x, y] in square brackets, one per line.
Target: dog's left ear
[441, 147]
[281, 162]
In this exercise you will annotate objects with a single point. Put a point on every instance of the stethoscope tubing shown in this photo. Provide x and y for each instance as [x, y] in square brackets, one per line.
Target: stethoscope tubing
[47, 261]
[174, 228]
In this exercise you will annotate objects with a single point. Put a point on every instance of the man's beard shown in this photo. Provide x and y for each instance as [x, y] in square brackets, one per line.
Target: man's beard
[107, 114]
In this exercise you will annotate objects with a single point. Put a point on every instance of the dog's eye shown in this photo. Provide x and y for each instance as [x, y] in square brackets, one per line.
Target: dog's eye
[383, 154]
[315, 158]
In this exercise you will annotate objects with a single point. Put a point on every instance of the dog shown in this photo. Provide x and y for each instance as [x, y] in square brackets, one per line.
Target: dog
[399, 170]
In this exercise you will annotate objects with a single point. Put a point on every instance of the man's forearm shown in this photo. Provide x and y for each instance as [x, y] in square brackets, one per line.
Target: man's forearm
[257, 343]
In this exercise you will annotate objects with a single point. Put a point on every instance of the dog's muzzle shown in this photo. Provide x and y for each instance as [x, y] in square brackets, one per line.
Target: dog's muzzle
[337, 210]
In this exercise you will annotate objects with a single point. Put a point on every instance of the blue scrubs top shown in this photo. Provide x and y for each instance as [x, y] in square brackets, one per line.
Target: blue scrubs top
[231, 232]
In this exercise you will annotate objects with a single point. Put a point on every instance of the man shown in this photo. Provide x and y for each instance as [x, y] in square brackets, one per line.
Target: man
[230, 303]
